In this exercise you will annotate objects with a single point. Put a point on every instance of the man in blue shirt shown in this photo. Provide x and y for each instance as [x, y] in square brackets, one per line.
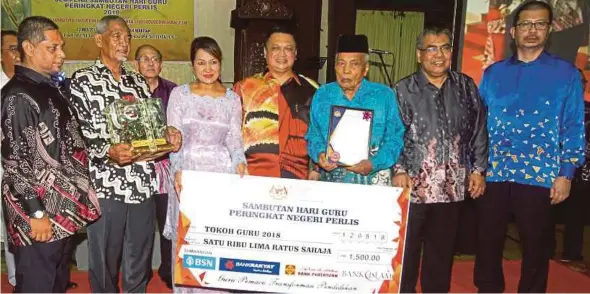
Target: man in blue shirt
[352, 90]
[535, 124]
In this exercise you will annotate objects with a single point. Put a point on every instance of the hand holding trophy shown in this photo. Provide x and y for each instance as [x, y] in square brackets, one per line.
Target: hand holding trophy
[138, 130]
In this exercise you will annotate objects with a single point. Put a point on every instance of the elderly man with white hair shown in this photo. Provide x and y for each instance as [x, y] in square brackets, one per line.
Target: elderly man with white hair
[352, 92]
[124, 185]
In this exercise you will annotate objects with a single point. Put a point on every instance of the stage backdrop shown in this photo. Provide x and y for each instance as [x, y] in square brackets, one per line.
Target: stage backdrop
[166, 24]
[487, 34]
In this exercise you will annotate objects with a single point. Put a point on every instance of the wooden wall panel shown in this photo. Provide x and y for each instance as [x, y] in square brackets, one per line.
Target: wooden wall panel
[304, 18]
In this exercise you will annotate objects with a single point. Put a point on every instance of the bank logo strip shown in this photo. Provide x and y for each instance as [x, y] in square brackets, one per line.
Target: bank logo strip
[249, 266]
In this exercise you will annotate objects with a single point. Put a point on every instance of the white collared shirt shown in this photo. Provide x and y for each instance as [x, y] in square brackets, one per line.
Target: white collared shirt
[3, 79]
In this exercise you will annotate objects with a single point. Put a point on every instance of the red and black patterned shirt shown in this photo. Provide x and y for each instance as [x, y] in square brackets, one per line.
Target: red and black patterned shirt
[44, 159]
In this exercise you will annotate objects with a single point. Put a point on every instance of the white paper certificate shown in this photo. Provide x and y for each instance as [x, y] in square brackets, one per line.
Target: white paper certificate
[350, 134]
[282, 235]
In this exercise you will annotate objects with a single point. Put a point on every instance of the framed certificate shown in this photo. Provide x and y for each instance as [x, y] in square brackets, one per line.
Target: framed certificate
[349, 135]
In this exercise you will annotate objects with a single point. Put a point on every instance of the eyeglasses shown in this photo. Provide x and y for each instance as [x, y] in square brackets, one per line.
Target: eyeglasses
[527, 25]
[445, 49]
[146, 59]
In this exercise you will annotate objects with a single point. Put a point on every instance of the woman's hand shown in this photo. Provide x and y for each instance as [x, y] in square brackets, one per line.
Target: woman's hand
[174, 137]
[178, 183]
[242, 169]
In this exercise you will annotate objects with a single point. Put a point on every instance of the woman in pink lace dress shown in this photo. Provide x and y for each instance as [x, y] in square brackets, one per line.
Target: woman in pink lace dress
[209, 117]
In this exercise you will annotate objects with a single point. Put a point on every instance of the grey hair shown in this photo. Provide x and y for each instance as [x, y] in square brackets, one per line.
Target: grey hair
[432, 31]
[33, 29]
[365, 58]
[103, 24]
[147, 46]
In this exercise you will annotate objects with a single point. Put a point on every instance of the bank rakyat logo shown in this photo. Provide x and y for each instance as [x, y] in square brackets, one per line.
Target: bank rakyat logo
[249, 266]
[199, 261]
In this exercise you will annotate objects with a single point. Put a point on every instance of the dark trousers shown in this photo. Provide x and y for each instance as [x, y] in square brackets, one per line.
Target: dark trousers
[466, 242]
[43, 267]
[165, 269]
[124, 233]
[432, 226]
[575, 208]
[531, 207]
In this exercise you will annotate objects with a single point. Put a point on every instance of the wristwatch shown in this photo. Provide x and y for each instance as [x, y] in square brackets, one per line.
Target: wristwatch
[38, 214]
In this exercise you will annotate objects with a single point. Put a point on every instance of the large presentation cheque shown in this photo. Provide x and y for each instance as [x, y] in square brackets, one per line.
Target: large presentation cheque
[282, 235]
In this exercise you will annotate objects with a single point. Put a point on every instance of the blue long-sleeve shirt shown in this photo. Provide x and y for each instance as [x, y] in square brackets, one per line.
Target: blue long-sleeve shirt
[387, 130]
[535, 120]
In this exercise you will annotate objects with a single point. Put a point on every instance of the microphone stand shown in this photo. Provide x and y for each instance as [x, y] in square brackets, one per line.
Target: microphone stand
[384, 68]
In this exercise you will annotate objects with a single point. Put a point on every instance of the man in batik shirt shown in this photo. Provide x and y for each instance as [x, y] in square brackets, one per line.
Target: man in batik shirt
[276, 113]
[444, 158]
[536, 142]
[352, 90]
[46, 192]
[10, 57]
[123, 182]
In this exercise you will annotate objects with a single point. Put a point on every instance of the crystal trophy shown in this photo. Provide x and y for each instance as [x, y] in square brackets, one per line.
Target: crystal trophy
[140, 123]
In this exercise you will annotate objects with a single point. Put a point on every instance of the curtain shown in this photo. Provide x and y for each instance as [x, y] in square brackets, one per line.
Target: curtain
[395, 32]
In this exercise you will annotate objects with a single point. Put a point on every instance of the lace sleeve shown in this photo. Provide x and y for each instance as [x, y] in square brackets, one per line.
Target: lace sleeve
[233, 140]
[174, 115]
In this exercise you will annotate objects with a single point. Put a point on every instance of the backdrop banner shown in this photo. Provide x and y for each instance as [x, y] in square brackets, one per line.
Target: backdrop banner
[168, 25]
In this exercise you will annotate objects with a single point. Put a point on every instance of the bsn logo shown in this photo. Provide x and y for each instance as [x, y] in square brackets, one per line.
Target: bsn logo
[198, 261]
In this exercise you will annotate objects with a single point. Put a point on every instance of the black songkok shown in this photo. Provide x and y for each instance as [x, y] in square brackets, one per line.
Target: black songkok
[353, 44]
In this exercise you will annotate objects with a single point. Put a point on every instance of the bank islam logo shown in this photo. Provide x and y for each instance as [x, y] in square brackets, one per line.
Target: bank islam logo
[369, 275]
[199, 261]
[290, 269]
[249, 266]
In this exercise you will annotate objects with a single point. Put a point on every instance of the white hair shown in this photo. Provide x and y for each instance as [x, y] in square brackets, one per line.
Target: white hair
[365, 59]
[103, 24]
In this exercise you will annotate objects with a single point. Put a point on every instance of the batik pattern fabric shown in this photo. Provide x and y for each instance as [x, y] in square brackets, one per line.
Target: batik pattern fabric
[44, 158]
[93, 89]
[275, 121]
[446, 137]
[535, 120]
[496, 27]
[386, 134]
[3, 80]
[566, 14]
